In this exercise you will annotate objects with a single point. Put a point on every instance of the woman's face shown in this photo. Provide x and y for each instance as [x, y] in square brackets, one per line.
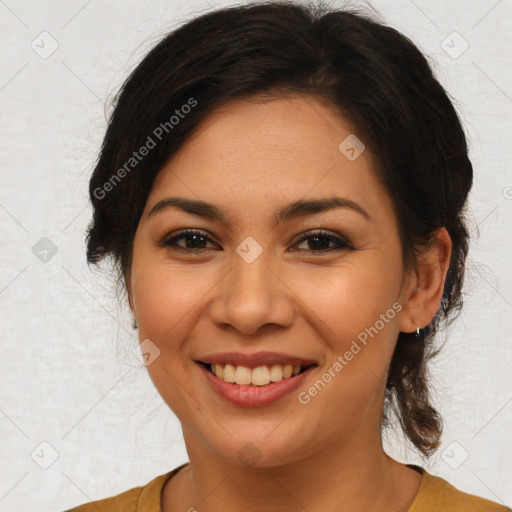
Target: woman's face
[260, 286]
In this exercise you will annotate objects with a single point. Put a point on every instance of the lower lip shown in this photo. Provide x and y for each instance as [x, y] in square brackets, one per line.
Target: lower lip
[254, 396]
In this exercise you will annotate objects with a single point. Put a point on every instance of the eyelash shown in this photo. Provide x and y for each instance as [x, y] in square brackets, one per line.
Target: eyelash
[340, 243]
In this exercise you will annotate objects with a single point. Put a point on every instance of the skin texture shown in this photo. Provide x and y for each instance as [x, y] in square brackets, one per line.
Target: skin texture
[250, 158]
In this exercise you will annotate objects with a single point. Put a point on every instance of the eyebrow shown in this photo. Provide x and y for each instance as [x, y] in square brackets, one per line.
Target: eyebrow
[290, 211]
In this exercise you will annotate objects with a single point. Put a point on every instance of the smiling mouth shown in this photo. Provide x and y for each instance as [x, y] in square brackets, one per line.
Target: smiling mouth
[262, 375]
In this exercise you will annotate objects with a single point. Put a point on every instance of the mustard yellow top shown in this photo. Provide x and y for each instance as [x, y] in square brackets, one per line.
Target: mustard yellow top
[435, 495]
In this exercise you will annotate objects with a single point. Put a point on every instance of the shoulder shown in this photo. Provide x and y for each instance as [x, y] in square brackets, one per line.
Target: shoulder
[146, 498]
[437, 494]
[125, 501]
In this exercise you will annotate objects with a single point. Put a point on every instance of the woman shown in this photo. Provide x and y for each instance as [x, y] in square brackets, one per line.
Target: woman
[283, 191]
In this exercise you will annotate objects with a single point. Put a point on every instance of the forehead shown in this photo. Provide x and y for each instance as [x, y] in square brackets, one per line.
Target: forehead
[259, 152]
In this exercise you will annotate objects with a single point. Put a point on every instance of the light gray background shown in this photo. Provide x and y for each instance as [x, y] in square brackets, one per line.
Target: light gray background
[69, 377]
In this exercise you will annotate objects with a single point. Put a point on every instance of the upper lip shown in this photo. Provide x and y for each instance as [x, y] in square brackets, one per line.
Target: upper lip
[256, 359]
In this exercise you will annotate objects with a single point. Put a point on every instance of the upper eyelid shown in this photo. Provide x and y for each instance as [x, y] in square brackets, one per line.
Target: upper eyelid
[185, 232]
[340, 241]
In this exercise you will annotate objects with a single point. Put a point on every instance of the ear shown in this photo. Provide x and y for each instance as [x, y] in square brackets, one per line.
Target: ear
[423, 291]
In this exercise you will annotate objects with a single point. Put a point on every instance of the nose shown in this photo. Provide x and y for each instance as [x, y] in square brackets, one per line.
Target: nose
[252, 295]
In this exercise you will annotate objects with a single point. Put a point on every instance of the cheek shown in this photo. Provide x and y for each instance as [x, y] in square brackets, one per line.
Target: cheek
[166, 300]
[164, 297]
[349, 298]
[353, 312]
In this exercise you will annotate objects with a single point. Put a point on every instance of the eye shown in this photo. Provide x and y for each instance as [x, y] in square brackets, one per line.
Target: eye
[319, 242]
[194, 240]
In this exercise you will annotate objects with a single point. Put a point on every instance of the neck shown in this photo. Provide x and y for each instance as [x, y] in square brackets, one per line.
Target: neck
[358, 474]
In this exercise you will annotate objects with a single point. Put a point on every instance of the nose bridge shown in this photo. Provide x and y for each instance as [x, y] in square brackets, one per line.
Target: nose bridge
[251, 295]
[250, 279]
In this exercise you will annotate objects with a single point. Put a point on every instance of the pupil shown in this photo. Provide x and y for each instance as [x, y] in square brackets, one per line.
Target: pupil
[317, 244]
[197, 239]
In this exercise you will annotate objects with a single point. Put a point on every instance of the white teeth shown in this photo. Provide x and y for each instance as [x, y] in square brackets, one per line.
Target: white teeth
[218, 370]
[243, 375]
[229, 373]
[276, 373]
[259, 376]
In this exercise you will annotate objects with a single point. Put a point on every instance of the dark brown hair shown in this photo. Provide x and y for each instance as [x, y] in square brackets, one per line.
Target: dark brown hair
[370, 73]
